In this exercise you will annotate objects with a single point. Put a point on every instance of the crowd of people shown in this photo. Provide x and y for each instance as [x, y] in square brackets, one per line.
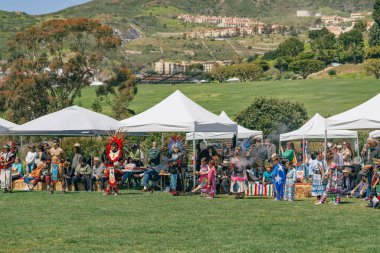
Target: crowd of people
[215, 169]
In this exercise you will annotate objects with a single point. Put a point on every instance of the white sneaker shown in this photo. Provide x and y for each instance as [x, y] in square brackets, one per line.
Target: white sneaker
[319, 203]
[27, 188]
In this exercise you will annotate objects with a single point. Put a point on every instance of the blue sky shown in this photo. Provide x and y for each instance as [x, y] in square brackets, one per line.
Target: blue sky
[36, 7]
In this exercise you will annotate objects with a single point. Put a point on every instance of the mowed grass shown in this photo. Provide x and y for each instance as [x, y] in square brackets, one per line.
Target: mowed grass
[327, 97]
[145, 222]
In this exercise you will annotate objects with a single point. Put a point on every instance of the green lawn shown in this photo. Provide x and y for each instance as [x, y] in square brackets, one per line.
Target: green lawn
[327, 97]
[145, 222]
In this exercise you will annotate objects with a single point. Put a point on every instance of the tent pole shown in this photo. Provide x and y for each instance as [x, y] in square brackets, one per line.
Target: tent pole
[194, 158]
[21, 150]
[357, 146]
[325, 146]
[303, 152]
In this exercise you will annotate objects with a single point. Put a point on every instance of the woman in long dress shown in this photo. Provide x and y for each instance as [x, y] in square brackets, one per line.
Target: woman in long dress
[317, 171]
[291, 178]
[239, 181]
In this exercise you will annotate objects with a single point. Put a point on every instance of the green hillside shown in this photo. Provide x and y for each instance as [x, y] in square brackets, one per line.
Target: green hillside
[327, 97]
[161, 31]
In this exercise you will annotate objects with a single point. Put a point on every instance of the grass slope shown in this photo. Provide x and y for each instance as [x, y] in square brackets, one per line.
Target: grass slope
[152, 18]
[327, 97]
[137, 222]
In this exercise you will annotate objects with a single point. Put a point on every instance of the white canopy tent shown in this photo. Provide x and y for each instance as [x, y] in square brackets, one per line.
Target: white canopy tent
[242, 132]
[315, 129]
[71, 121]
[177, 113]
[364, 116]
[374, 134]
[6, 125]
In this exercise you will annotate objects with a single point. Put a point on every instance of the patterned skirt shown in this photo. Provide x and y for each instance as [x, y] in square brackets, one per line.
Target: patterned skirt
[317, 188]
[239, 186]
[289, 190]
[335, 185]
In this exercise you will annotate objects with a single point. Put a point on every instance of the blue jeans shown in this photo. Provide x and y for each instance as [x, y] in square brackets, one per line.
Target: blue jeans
[83, 179]
[93, 180]
[29, 167]
[150, 174]
[173, 182]
[130, 175]
[369, 178]
[27, 179]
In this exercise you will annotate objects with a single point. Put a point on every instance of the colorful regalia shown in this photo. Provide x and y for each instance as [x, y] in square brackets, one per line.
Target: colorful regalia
[112, 173]
[291, 178]
[334, 185]
[316, 170]
[278, 181]
[114, 150]
[176, 159]
[239, 181]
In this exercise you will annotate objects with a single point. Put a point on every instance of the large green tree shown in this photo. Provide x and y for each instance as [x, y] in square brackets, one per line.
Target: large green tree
[306, 67]
[273, 115]
[52, 63]
[352, 42]
[322, 39]
[291, 47]
[372, 66]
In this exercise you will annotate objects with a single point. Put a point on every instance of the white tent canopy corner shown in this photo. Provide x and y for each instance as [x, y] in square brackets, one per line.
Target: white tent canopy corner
[242, 132]
[363, 116]
[71, 121]
[6, 125]
[315, 129]
[177, 113]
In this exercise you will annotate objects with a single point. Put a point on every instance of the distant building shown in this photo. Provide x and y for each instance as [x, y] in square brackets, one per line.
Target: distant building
[170, 68]
[304, 14]
[336, 30]
[360, 15]
[329, 20]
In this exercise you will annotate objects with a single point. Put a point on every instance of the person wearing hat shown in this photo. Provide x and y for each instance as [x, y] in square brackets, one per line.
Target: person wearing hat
[7, 158]
[30, 158]
[77, 156]
[97, 174]
[56, 150]
[370, 151]
[360, 190]
[46, 146]
[82, 173]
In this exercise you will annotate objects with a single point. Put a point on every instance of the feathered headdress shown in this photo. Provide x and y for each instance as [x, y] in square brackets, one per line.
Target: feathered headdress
[176, 141]
[117, 138]
[246, 144]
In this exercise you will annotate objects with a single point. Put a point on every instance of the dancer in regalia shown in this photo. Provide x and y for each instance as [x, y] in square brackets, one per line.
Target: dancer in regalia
[114, 150]
[113, 174]
[317, 172]
[291, 178]
[7, 158]
[176, 155]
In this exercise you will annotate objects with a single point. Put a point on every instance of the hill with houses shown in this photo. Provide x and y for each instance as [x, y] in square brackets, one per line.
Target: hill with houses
[195, 30]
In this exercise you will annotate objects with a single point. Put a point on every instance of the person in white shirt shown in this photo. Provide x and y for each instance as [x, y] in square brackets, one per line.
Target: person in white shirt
[30, 159]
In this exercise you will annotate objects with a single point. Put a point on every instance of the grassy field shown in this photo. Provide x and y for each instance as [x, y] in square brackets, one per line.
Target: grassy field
[144, 222]
[327, 97]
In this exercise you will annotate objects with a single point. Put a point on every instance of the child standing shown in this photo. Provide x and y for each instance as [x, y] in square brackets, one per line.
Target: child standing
[17, 171]
[211, 180]
[203, 172]
[291, 178]
[268, 174]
